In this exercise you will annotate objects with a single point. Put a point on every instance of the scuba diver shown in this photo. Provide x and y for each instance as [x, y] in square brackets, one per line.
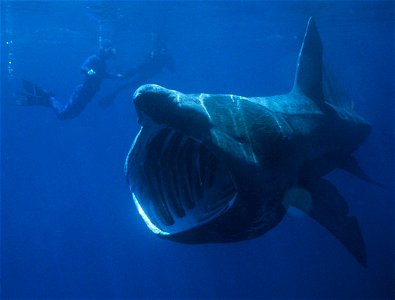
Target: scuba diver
[95, 71]
[154, 63]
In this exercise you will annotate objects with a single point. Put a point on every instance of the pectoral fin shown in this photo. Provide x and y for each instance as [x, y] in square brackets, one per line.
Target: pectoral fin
[331, 211]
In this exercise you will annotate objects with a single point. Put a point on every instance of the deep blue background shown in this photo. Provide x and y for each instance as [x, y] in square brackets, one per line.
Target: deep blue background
[69, 228]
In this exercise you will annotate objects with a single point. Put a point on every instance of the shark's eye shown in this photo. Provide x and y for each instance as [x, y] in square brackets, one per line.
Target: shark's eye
[177, 183]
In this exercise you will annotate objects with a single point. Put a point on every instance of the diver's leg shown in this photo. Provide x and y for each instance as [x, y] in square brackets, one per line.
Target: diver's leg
[34, 95]
[78, 100]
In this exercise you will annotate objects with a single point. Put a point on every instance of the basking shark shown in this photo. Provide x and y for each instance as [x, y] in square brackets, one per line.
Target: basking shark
[220, 168]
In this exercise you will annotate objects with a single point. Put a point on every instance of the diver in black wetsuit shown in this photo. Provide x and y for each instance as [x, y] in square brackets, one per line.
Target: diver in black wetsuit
[154, 63]
[94, 69]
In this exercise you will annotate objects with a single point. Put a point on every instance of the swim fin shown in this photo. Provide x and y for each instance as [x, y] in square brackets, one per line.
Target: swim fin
[33, 95]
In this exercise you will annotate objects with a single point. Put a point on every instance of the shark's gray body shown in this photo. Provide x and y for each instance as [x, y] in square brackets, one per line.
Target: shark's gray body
[223, 168]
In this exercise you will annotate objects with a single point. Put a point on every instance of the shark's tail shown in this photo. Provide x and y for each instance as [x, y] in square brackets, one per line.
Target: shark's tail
[328, 207]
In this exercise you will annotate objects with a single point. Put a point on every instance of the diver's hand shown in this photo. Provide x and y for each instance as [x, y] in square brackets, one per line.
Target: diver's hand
[91, 72]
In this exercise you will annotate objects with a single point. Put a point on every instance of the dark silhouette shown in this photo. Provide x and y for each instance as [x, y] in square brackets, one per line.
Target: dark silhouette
[154, 63]
[94, 69]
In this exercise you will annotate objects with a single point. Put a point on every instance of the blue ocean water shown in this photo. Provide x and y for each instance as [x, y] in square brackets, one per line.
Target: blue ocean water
[69, 228]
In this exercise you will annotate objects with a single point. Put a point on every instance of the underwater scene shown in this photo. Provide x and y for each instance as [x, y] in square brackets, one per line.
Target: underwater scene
[197, 150]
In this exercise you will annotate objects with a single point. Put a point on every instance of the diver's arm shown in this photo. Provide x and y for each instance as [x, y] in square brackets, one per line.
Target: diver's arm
[114, 76]
[88, 67]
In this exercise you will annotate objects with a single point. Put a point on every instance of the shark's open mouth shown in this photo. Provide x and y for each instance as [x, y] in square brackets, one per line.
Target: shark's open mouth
[177, 183]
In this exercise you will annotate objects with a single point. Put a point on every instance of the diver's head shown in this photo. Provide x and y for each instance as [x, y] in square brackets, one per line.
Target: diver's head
[106, 49]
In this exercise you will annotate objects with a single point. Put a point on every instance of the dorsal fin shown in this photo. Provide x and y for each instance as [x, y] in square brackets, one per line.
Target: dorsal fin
[308, 79]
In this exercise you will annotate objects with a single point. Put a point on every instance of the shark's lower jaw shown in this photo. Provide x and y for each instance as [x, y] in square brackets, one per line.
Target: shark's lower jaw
[176, 182]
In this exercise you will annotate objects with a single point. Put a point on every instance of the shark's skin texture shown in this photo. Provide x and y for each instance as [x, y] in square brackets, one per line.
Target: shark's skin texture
[223, 168]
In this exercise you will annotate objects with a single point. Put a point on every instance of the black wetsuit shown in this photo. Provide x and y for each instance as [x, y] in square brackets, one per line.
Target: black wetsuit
[85, 91]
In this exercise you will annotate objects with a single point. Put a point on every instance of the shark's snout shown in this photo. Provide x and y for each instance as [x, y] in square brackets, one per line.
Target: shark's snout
[154, 104]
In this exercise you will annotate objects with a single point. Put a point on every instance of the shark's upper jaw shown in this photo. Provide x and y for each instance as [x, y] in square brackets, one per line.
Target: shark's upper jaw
[156, 105]
[153, 105]
[177, 183]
